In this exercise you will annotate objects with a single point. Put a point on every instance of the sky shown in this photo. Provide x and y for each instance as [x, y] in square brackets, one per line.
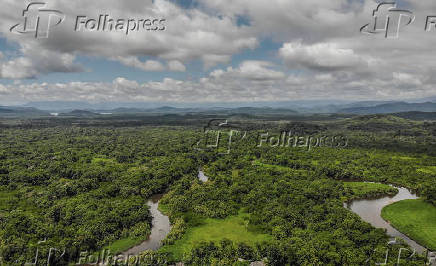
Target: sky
[216, 51]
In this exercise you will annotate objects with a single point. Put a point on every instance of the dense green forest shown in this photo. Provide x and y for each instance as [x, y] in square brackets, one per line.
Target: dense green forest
[80, 186]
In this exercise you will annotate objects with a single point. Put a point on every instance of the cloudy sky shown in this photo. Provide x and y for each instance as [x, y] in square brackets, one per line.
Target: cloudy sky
[218, 50]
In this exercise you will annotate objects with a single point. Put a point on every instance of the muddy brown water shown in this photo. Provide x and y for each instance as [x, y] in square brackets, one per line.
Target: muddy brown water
[160, 229]
[370, 211]
[202, 177]
[161, 226]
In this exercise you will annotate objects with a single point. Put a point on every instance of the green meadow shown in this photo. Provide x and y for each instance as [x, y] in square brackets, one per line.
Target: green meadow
[234, 228]
[415, 218]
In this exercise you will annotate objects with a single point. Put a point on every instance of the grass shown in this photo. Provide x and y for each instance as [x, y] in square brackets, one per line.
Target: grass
[427, 170]
[362, 190]
[415, 218]
[233, 228]
[123, 244]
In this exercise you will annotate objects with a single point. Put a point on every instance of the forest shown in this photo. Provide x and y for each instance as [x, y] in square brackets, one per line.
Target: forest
[69, 186]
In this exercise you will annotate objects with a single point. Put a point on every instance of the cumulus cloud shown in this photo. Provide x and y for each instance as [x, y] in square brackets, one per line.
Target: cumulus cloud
[149, 65]
[322, 52]
[251, 70]
[177, 66]
[33, 62]
[251, 81]
[321, 56]
[190, 34]
[312, 20]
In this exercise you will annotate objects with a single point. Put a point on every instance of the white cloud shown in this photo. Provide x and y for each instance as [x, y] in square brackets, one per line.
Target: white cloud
[251, 81]
[149, 65]
[34, 62]
[321, 56]
[191, 34]
[320, 45]
[258, 70]
[176, 66]
[406, 79]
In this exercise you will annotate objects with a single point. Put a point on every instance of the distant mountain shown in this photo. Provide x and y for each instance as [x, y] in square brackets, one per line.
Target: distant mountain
[419, 116]
[59, 105]
[80, 113]
[389, 108]
[68, 106]
[261, 110]
[285, 107]
[11, 111]
[124, 110]
[6, 110]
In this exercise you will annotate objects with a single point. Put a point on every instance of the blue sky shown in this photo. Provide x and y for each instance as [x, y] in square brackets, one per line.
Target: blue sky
[229, 50]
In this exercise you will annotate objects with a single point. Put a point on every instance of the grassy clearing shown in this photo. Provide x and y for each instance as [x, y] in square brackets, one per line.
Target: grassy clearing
[415, 218]
[427, 170]
[360, 190]
[124, 244]
[233, 228]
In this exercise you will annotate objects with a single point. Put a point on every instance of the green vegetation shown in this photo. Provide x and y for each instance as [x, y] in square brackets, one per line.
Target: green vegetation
[83, 188]
[83, 184]
[360, 190]
[123, 244]
[234, 228]
[428, 170]
[415, 218]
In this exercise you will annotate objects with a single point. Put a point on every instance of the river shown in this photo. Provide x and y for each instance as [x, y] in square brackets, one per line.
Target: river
[370, 211]
[160, 228]
[202, 177]
[160, 225]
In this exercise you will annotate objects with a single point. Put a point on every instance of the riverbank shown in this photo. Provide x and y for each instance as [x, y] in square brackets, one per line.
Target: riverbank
[152, 241]
[160, 228]
[415, 218]
[367, 190]
[370, 211]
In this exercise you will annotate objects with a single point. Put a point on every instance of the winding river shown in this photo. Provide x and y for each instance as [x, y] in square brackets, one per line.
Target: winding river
[370, 211]
[160, 228]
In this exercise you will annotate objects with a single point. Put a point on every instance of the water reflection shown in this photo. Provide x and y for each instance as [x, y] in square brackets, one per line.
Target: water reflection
[370, 211]
[160, 229]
